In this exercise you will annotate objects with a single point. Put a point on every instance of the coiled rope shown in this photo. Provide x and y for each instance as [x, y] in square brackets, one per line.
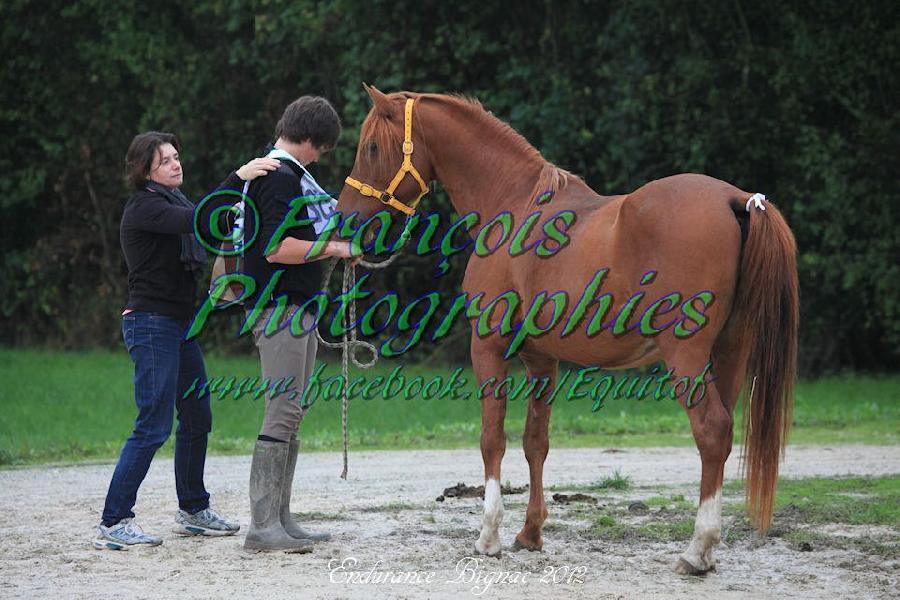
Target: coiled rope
[349, 343]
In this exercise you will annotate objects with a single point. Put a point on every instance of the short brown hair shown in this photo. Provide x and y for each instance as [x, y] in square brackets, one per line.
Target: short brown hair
[310, 118]
[140, 155]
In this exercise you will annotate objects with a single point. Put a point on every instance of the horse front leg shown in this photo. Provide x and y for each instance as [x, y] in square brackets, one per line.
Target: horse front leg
[541, 373]
[489, 363]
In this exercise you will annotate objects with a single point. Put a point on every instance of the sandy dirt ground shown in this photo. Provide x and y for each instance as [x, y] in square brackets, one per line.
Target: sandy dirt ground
[385, 521]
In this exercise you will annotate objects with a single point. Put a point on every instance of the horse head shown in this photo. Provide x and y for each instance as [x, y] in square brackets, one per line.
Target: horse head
[393, 164]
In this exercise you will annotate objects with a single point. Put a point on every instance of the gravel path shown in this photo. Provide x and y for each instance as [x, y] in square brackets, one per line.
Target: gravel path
[385, 519]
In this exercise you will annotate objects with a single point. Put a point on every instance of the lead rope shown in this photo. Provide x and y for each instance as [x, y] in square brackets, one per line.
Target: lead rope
[349, 344]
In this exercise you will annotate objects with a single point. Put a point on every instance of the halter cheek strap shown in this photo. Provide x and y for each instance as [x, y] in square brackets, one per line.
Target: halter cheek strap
[387, 196]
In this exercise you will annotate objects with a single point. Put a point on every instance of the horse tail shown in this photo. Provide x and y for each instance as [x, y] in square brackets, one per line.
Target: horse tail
[767, 303]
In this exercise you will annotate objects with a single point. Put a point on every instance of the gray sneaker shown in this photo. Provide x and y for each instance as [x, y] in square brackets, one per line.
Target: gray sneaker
[205, 522]
[123, 534]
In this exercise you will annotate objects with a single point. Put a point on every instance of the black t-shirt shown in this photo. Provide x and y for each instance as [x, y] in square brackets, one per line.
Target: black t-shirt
[272, 195]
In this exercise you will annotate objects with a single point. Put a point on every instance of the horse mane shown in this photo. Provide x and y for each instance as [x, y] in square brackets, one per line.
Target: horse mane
[378, 128]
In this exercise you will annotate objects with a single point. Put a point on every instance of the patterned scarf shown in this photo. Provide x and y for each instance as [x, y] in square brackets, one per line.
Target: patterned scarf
[193, 256]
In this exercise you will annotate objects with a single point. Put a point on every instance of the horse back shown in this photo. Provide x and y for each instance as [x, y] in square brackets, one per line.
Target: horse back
[682, 229]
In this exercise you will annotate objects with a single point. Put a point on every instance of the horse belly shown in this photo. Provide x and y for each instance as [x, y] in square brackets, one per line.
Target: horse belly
[590, 257]
[602, 350]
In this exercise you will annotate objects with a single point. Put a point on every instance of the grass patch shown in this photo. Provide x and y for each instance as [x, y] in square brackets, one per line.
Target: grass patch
[616, 481]
[819, 500]
[76, 406]
[676, 501]
[605, 521]
[554, 527]
[318, 516]
[677, 505]
[657, 501]
[606, 527]
[811, 541]
[802, 506]
[663, 531]
[391, 507]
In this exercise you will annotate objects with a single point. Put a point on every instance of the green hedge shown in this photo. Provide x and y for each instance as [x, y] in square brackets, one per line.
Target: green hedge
[797, 100]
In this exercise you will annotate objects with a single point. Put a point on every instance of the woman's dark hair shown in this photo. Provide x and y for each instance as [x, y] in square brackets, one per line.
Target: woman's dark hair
[140, 155]
[310, 118]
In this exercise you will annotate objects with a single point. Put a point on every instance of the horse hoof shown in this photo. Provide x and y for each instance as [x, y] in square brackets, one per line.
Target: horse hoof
[685, 568]
[492, 550]
[517, 546]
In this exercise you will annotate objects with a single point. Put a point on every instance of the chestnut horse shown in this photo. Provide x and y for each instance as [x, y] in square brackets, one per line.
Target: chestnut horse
[694, 232]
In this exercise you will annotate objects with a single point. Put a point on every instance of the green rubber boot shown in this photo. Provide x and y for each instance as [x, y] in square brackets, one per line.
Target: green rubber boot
[287, 521]
[267, 483]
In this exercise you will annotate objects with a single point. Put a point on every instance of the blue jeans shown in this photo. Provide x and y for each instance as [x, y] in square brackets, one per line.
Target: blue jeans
[165, 366]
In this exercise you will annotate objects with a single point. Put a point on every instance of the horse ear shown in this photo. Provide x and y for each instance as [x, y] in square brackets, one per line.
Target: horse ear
[380, 100]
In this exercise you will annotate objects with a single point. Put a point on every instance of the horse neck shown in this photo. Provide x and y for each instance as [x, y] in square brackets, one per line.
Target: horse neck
[483, 171]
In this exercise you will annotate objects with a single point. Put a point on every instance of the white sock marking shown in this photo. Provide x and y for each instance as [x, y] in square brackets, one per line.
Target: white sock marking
[707, 533]
[489, 540]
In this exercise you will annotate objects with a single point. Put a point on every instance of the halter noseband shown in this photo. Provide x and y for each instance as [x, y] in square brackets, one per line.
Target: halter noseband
[387, 196]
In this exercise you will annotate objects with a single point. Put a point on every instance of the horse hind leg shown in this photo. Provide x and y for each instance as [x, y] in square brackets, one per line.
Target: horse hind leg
[486, 364]
[714, 439]
[536, 444]
[712, 427]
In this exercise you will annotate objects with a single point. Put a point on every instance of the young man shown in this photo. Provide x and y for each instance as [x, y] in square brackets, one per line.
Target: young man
[309, 127]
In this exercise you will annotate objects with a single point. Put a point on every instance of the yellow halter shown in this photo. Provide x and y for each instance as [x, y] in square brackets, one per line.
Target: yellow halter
[387, 196]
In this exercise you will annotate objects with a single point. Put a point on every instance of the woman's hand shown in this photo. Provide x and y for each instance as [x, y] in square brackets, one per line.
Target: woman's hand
[257, 167]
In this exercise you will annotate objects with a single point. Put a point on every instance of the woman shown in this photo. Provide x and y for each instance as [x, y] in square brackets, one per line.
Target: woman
[164, 261]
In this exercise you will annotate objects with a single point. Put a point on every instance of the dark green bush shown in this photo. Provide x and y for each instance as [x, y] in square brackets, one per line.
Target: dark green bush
[797, 100]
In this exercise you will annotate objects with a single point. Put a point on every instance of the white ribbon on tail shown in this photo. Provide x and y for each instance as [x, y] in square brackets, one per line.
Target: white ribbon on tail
[757, 200]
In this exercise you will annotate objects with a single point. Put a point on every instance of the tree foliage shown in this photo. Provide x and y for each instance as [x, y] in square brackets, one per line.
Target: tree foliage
[797, 100]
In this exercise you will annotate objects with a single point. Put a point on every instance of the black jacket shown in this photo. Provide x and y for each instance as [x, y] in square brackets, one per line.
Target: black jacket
[150, 235]
[272, 196]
